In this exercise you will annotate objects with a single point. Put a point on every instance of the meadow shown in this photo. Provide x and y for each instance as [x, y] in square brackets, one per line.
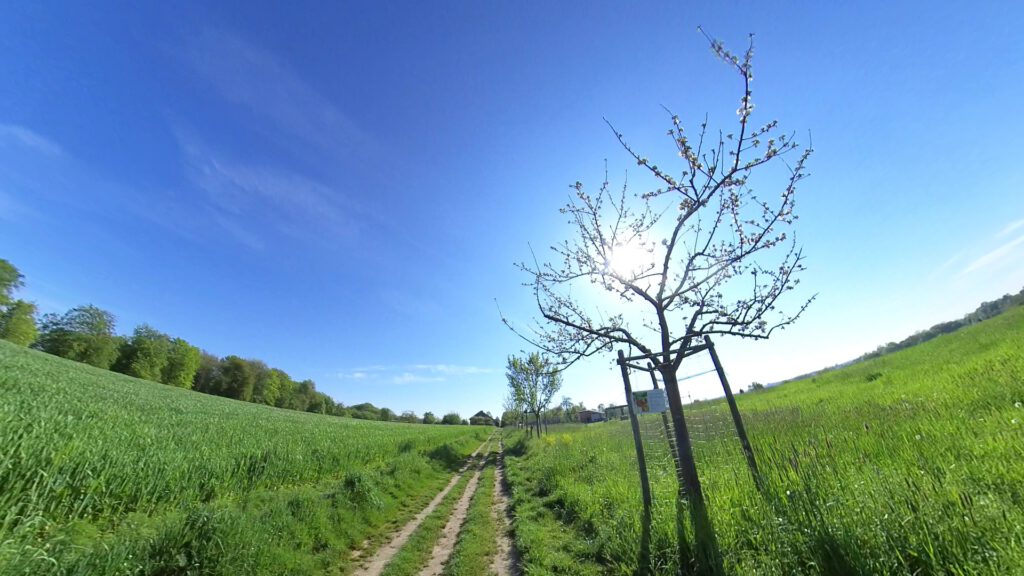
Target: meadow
[910, 463]
[101, 473]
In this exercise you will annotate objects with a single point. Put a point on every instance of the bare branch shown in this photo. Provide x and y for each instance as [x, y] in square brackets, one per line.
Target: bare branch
[715, 251]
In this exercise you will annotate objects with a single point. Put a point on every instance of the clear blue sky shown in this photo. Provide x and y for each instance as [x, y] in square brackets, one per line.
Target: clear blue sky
[341, 190]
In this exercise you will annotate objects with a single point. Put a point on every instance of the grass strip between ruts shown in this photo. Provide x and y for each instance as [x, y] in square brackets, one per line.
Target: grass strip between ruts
[416, 552]
[477, 542]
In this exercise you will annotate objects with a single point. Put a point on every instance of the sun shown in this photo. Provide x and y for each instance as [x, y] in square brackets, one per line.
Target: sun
[629, 259]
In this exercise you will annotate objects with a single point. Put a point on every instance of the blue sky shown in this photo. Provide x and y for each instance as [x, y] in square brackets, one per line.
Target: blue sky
[341, 191]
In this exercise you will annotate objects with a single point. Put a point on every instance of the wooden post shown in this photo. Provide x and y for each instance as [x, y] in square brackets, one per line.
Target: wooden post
[748, 451]
[645, 485]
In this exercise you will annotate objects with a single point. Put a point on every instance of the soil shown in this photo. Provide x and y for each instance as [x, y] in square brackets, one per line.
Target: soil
[446, 543]
[375, 565]
[506, 561]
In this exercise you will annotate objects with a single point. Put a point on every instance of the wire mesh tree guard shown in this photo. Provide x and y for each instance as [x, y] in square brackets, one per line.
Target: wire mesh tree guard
[703, 530]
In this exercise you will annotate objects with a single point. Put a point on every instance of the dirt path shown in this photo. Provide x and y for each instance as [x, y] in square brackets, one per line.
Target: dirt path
[375, 565]
[506, 561]
[449, 536]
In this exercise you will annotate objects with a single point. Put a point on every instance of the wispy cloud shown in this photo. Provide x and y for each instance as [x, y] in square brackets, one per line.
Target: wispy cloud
[239, 232]
[11, 209]
[29, 139]
[362, 372]
[1010, 228]
[452, 369]
[372, 368]
[244, 197]
[261, 82]
[410, 378]
[251, 200]
[412, 374]
[947, 265]
[995, 256]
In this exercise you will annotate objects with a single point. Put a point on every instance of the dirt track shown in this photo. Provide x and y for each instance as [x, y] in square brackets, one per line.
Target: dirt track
[446, 543]
[375, 565]
[506, 561]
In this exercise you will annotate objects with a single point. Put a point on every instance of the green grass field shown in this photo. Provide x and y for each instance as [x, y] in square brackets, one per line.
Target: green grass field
[912, 463]
[105, 474]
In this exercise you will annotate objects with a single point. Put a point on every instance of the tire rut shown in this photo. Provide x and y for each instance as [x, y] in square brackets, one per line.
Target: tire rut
[449, 536]
[375, 565]
[506, 562]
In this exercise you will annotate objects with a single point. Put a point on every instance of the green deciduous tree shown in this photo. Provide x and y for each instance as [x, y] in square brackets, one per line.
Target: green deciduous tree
[17, 317]
[533, 381]
[206, 373]
[429, 418]
[235, 378]
[318, 402]
[288, 397]
[451, 418]
[182, 363]
[153, 355]
[145, 354]
[271, 384]
[514, 410]
[18, 323]
[10, 280]
[365, 411]
[84, 334]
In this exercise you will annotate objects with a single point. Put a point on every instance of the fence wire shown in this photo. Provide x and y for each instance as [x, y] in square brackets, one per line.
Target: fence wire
[716, 446]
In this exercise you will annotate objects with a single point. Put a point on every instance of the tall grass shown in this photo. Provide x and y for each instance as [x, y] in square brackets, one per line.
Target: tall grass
[105, 474]
[912, 463]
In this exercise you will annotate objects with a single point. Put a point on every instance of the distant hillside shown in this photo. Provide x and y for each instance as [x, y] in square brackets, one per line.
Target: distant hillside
[983, 312]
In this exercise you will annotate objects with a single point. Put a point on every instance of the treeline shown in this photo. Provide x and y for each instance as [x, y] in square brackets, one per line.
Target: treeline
[567, 412]
[88, 334]
[985, 311]
[556, 415]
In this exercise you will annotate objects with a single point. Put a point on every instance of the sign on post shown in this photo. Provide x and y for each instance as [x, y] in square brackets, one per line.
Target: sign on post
[650, 401]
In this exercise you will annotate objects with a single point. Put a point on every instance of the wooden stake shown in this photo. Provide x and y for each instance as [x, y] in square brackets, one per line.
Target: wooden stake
[748, 451]
[645, 485]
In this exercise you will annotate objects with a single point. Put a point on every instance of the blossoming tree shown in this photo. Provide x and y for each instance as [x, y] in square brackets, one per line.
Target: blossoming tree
[703, 252]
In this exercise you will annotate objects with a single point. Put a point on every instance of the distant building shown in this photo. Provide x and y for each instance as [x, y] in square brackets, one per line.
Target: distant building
[590, 416]
[482, 418]
[616, 412]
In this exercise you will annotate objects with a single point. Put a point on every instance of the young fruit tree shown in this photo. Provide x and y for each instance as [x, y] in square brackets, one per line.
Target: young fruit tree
[532, 383]
[514, 411]
[707, 249]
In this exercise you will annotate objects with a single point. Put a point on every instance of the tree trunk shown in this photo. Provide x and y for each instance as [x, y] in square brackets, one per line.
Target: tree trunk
[669, 434]
[706, 558]
[689, 480]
